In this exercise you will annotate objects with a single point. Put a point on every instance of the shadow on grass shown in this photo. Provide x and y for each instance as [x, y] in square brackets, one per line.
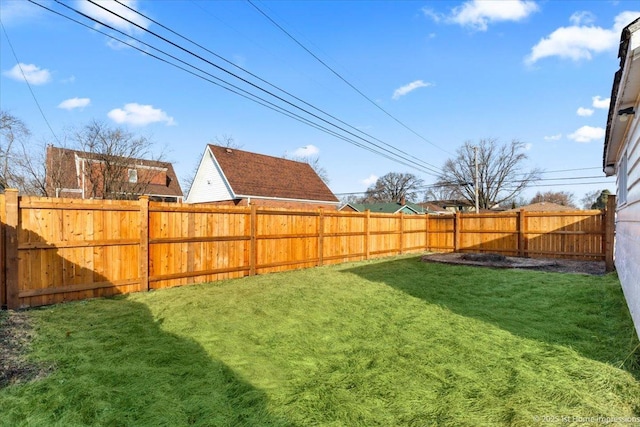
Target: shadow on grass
[585, 313]
[116, 366]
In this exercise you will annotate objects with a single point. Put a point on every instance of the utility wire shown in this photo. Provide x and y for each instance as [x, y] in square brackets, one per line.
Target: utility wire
[235, 90]
[428, 165]
[33, 95]
[263, 13]
[281, 99]
[453, 185]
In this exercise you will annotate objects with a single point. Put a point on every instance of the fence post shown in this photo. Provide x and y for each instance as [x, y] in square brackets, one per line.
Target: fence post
[401, 232]
[143, 260]
[11, 248]
[253, 245]
[522, 252]
[456, 231]
[3, 287]
[321, 237]
[426, 231]
[367, 233]
[609, 233]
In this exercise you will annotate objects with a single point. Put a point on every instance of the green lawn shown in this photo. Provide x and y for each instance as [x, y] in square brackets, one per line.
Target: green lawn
[393, 342]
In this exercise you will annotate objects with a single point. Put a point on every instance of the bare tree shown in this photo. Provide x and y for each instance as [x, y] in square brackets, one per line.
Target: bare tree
[394, 187]
[226, 141]
[596, 199]
[350, 198]
[563, 198]
[501, 174]
[13, 133]
[111, 169]
[589, 199]
[601, 200]
[440, 192]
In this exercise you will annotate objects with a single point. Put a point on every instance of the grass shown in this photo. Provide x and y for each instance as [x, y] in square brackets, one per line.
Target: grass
[388, 342]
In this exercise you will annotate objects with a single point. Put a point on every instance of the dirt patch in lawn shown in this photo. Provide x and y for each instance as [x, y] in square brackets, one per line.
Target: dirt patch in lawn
[501, 261]
[16, 334]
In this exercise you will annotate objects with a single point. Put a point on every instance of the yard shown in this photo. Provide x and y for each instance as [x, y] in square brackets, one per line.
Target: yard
[392, 342]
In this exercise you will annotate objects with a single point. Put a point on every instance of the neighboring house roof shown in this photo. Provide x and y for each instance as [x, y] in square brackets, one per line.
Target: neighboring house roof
[457, 204]
[624, 95]
[433, 208]
[408, 208]
[67, 164]
[543, 207]
[245, 175]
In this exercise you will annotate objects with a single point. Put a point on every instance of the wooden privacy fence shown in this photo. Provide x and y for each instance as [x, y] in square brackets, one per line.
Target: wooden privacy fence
[54, 250]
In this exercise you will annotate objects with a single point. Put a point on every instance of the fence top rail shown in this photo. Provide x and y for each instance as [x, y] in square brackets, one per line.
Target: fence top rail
[345, 214]
[567, 213]
[590, 212]
[29, 202]
[180, 207]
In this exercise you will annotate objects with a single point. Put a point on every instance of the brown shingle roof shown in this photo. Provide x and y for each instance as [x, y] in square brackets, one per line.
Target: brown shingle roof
[258, 175]
[64, 159]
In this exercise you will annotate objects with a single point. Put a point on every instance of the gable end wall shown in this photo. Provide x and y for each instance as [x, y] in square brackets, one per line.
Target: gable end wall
[209, 185]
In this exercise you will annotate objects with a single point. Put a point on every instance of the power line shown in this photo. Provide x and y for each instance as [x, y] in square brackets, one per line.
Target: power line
[253, 97]
[463, 184]
[428, 165]
[33, 95]
[256, 86]
[342, 78]
[246, 95]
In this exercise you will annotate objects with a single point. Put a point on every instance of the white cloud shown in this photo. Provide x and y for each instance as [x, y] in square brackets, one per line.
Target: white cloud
[430, 13]
[599, 102]
[582, 18]
[579, 41]
[306, 151]
[31, 73]
[17, 11]
[139, 115]
[409, 88]
[370, 180]
[584, 112]
[528, 146]
[587, 134]
[478, 14]
[111, 19]
[70, 104]
[553, 137]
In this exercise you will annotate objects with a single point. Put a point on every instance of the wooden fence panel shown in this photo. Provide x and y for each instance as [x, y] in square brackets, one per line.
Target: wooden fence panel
[189, 244]
[286, 240]
[496, 233]
[344, 237]
[55, 250]
[414, 233]
[441, 233]
[385, 237]
[70, 250]
[575, 235]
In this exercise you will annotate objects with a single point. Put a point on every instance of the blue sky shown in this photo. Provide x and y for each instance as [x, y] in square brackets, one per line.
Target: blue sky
[448, 71]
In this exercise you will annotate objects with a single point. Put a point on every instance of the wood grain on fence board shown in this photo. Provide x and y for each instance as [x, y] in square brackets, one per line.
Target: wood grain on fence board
[69, 249]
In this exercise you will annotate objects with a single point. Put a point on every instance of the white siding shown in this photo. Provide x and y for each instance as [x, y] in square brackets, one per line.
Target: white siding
[627, 250]
[209, 184]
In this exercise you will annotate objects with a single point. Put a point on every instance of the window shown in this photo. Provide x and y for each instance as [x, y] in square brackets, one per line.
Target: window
[133, 176]
[622, 180]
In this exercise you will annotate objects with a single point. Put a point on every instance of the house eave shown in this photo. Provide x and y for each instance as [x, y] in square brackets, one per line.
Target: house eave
[284, 199]
[624, 94]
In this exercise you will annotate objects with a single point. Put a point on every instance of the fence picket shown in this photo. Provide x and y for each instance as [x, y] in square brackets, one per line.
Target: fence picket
[55, 250]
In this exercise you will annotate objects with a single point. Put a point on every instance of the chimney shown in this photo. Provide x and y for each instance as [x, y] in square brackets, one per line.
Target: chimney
[403, 201]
